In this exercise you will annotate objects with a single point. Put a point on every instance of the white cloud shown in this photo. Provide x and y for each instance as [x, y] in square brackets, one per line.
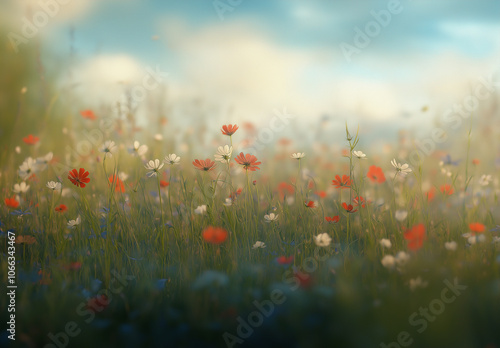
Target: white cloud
[238, 66]
[235, 65]
[371, 99]
[103, 79]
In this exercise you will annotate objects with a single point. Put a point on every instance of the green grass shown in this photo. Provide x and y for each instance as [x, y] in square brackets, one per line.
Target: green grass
[340, 293]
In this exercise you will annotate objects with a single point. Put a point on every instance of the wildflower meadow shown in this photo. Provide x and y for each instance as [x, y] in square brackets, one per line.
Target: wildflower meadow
[149, 224]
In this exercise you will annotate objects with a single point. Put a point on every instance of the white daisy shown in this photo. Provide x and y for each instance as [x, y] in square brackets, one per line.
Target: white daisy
[359, 154]
[172, 159]
[388, 261]
[474, 238]
[123, 176]
[137, 149]
[298, 155]
[154, 166]
[270, 218]
[452, 246]
[322, 240]
[53, 185]
[201, 209]
[108, 147]
[402, 258]
[386, 243]
[485, 180]
[21, 188]
[259, 244]
[73, 223]
[224, 154]
[402, 169]
[401, 215]
[28, 168]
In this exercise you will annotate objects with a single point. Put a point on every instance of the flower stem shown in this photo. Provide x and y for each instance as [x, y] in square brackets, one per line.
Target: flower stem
[161, 215]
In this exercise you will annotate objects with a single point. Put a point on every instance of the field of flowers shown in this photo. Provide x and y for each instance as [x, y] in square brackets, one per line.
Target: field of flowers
[136, 246]
[118, 235]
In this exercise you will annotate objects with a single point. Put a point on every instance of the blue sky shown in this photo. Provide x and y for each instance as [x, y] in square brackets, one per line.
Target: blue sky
[266, 54]
[122, 26]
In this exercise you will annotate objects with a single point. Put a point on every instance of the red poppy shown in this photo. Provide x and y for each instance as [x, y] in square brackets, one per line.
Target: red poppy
[375, 174]
[61, 208]
[79, 178]
[333, 219]
[359, 202]
[31, 140]
[88, 114]
[476, 162]
[119, 186]
[11, 202]
[248, 126]
[206, 165]
[235, 194]
[285, 188]
[73, 266]
[415, 237]
[349, 208]
[229, 129]
[342, 183]
[321, 194]
[283, 260]
[431, 194]
[477, 227]
[284, 141]
[446, 189]
[305, 280]
[214, 235]
[164, 183]
[98, 303]
[310, 204]
[249, 162]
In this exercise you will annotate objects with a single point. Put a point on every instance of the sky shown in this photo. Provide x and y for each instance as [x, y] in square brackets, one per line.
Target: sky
[247, 58]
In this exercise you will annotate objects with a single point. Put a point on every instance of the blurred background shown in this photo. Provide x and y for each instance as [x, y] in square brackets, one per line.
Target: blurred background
[384, 65]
